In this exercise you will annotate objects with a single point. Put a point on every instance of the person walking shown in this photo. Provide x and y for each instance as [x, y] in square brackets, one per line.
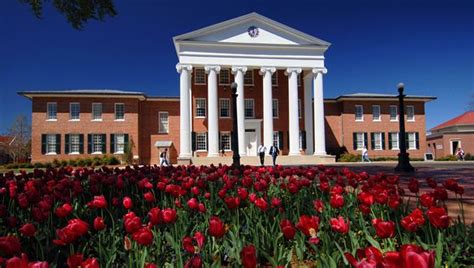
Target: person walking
[365, 155]
[164, 158]
[261, 153]
[460, 154]
[274, 152]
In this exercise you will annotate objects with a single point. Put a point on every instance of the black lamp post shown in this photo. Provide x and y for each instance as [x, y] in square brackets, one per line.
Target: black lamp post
[403, 158]
[235, 130]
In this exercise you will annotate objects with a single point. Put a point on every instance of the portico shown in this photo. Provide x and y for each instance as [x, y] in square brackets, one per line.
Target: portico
[256, 44]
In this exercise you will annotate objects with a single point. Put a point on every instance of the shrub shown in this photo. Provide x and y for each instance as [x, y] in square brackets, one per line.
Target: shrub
[350, 158]
[38, 165]
[56, 163]
[63, 163]
[72, 162]
[113, 161]
[81, 162]
[468, 156]
[447, 158]
[88, 162]
[48, 165]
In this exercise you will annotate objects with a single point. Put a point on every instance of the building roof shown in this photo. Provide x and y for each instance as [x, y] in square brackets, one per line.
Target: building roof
[82, 92]
[6, 139]
[381, 96]
[466, 118]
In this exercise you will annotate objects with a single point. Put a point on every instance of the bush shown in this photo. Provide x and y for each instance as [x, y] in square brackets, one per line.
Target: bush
[56, 163]
[81, 162]
[350, 158]
[468, 156]
[447, 158]
[48, 165]
[88, 162]
[63, 163]
[72, 162]
[113, 161]
[12, 166]
[38, 165]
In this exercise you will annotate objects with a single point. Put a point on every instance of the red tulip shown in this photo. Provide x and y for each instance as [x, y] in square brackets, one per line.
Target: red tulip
[143, 236]
[90, 263]
[74, 229]
[276, 202]
[194, 262]
[150, 265]
[74, 260]
[414, 220]
[249, 256]
[127, 202]
[340, 225]
[309, 225]
[384, 229]
[427, 200]
[216, 227]
[154, 216]
[414, 185]
[131, 222]
[193, 203]
[28, 230]
[16, 262]
[318, 205]
[98, 202]
[63, 211]
[366, 198]
[149, 197]
[438, 217]
[9, 245]
[415, 256]
[336, 201]
[261, 204]
[287, 229]
[243, 193]
[99, 224]
[169, 215]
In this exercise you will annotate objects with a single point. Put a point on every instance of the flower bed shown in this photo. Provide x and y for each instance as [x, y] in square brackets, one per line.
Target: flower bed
[220, 216]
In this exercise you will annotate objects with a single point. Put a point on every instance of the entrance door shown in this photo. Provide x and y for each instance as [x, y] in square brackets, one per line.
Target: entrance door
[251, 139]
[454, 147]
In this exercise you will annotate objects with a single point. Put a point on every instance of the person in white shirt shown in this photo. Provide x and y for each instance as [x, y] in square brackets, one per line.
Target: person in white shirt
[261, 153]
[164, 158]
[365, 155]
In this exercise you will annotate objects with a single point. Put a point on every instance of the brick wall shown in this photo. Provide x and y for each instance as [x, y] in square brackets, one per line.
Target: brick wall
[466, 140]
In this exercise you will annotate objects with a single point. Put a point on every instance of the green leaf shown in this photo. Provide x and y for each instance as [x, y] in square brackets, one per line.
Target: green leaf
[372, 241]
[439, 250]
[332, 262]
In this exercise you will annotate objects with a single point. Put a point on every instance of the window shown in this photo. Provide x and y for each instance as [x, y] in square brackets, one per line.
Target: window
[249, 108]
[52, 110]
[74, 143]
[410, 113]
[119, 111]
[119, 143]
[74, 111]
[412, 141]
[201, 142]
[97, 143]
[359, 113]
[276, 139]
[393, 113]
[51, 144]
[224, 77]
[360, 140]
[376, 112]
[224, 107]
[97, 111]
[377, 141]
[199, 76]
[248, 78]
[163, 124]
[300, 113]
[200, 107]
[393, 141]
[225, 141]
[275, 108]
[275, 79]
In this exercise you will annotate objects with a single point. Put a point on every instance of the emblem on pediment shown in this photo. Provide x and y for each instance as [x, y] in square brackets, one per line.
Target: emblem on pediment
[253, 31]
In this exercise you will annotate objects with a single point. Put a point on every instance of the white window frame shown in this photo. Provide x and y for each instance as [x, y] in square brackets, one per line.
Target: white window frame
[299, 78]
[413, 135]
[412, 119]
[115, 112]
[251, 74]
[379, 118]
[275, 109]
[119, 147]
[73, 144]
[227, 134]
[221, 101]
[224, 70]
[363, 145]
[380, 144]
[397, 135]
[361, 119]
[202, 135]
[276, 139]
[51, 144]
[71, 116]
[96, 143]
[396, 113]
[246, 101]
[197, 100]
[197, 73]
[163, 125]
[275, 78]
[300, 111]
[49, 116]
[98, 104]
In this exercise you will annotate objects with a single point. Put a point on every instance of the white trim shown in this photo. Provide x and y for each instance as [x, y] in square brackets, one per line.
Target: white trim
[277, 108]
[253, 108]
[390, 113]
[380, 114]
[252, 75]
[161, 131]
[101, 112]
[205, 142]
[381, 141]
[195, 76]
[229, 76]
[196, 108]
[230, 140]
[451, 144]
[47, 111]
[70, 111]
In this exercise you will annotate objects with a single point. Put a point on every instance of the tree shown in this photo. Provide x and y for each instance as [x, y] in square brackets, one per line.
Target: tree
[20, 146]
[77, 12]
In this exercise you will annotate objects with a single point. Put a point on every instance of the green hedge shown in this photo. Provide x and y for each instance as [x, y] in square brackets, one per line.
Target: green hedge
[79, 162]
[358, 158]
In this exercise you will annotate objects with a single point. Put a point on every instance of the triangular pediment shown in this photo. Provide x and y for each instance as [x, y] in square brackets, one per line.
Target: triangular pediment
[252, 28]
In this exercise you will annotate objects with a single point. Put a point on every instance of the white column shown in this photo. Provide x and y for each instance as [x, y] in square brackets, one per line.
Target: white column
[239, 72]
[319, 132]
[308, 113]
[267, 73]
[294, 126]
[184, 100]
[212, 114]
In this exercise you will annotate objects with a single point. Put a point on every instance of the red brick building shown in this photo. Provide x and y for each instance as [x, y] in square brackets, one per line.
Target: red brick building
[456, 133]
[86, 123]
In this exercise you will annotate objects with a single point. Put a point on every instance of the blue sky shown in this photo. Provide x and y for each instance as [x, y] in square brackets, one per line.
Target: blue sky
[428, 45]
